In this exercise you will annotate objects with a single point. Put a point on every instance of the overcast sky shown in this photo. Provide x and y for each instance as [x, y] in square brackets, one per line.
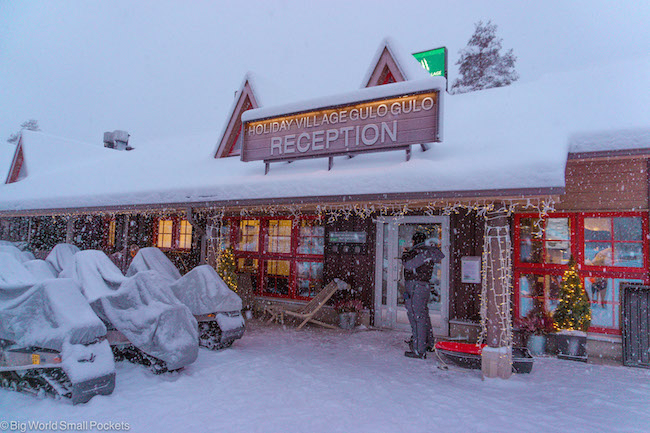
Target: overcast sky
[169, 69]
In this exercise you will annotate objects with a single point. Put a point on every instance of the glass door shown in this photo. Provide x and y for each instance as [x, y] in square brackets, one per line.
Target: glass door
[394, 236]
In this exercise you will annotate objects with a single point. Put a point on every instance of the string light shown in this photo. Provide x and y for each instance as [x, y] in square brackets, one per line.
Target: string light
[227, 269]
[496, 243]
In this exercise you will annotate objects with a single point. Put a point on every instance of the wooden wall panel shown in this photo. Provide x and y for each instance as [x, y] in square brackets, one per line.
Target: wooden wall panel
[358, 270]
[609, 184]
[466, 240]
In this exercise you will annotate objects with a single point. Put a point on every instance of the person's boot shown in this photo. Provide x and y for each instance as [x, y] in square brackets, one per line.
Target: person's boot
[414, 354]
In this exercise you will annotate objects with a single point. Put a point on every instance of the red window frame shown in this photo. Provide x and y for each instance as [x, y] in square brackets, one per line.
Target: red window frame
[577, 243]
[176, 233]
[547, 266]
[262, 255]
[643, 241]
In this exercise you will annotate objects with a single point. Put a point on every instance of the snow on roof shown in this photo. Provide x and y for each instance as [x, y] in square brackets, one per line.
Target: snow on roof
[512, 137]
[44, 154]
[363, 94]
[625, 139]
[264, 93]
[407, 64]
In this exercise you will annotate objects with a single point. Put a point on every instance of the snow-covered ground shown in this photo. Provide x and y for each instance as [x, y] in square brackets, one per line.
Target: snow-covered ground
[278, 379]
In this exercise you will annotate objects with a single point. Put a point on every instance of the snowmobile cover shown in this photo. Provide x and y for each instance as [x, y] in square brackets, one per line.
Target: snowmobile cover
[201, 289]
[40, 269]
[21, 256]
[142, 307]
[152, 259]
[47, 315]
[204, 292]
[60, 255]
[95, 272]
[13, 274]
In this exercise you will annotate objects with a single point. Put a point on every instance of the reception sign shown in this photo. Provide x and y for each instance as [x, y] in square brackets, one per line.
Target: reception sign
[389, 123]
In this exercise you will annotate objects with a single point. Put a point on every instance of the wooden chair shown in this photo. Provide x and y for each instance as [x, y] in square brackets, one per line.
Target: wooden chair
[307, 311]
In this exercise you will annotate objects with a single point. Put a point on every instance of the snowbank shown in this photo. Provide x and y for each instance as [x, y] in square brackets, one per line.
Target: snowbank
[325, 381]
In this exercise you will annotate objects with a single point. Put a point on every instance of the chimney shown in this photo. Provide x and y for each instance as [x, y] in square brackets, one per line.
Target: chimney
[118, 140]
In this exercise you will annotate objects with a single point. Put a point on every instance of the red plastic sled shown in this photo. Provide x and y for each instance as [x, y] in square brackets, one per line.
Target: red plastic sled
[468, 355]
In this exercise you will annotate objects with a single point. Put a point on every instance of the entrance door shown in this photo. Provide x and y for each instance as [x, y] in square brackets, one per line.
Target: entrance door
[393, 238]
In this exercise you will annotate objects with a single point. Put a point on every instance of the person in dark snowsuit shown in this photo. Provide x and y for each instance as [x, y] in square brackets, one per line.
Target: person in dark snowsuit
[418, 264]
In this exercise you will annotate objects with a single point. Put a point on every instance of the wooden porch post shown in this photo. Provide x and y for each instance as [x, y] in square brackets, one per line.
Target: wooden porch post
[495, 302]
[69, 230]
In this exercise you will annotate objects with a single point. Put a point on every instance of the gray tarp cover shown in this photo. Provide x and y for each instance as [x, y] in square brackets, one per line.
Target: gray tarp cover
[60, 255]
[48, 313]
[201, 289]
[40, 269]
[13, 275]
[204, 292]
[142, 307]
[152, 259]
[21, 256]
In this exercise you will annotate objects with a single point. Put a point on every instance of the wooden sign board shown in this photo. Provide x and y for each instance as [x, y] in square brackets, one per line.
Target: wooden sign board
[390, 123]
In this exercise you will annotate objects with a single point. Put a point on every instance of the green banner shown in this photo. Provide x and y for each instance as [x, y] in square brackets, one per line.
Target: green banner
[434, 61]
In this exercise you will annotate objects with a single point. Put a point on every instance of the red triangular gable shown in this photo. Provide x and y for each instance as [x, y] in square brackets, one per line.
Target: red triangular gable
[230, 143]
[386, 69]
[16, 171]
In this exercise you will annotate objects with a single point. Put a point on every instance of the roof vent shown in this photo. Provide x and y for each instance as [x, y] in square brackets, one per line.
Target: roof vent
[118, 140]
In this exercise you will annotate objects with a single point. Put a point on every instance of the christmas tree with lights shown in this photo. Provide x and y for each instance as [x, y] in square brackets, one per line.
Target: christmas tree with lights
[573, 311]
[227, 269]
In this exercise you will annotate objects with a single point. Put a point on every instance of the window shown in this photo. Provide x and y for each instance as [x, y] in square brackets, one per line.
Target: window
[284, 255]
[312, 238]
[185, 238]
[613, 241]
[249, 234]
[223, 233]
[276, 278]
[538, 291]
[279, 238]
[111, 233]
[310, 278]
[609, 248]
[173, 233]
[165, 232]
[545, 241]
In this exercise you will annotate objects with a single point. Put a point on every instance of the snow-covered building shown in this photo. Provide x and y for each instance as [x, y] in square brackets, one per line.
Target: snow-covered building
[563, 159]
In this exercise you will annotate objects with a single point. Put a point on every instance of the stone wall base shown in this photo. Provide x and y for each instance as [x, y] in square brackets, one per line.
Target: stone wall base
[496, 362]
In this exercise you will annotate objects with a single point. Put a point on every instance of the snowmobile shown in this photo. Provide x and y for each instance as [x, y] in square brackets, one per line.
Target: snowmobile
[216, 308]
[146, 323]
[51, 342]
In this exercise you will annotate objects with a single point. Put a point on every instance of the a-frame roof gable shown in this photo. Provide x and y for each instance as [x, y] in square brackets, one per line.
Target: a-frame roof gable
[16, 166]
[390, 64]
[245, 99]
[384, 66]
